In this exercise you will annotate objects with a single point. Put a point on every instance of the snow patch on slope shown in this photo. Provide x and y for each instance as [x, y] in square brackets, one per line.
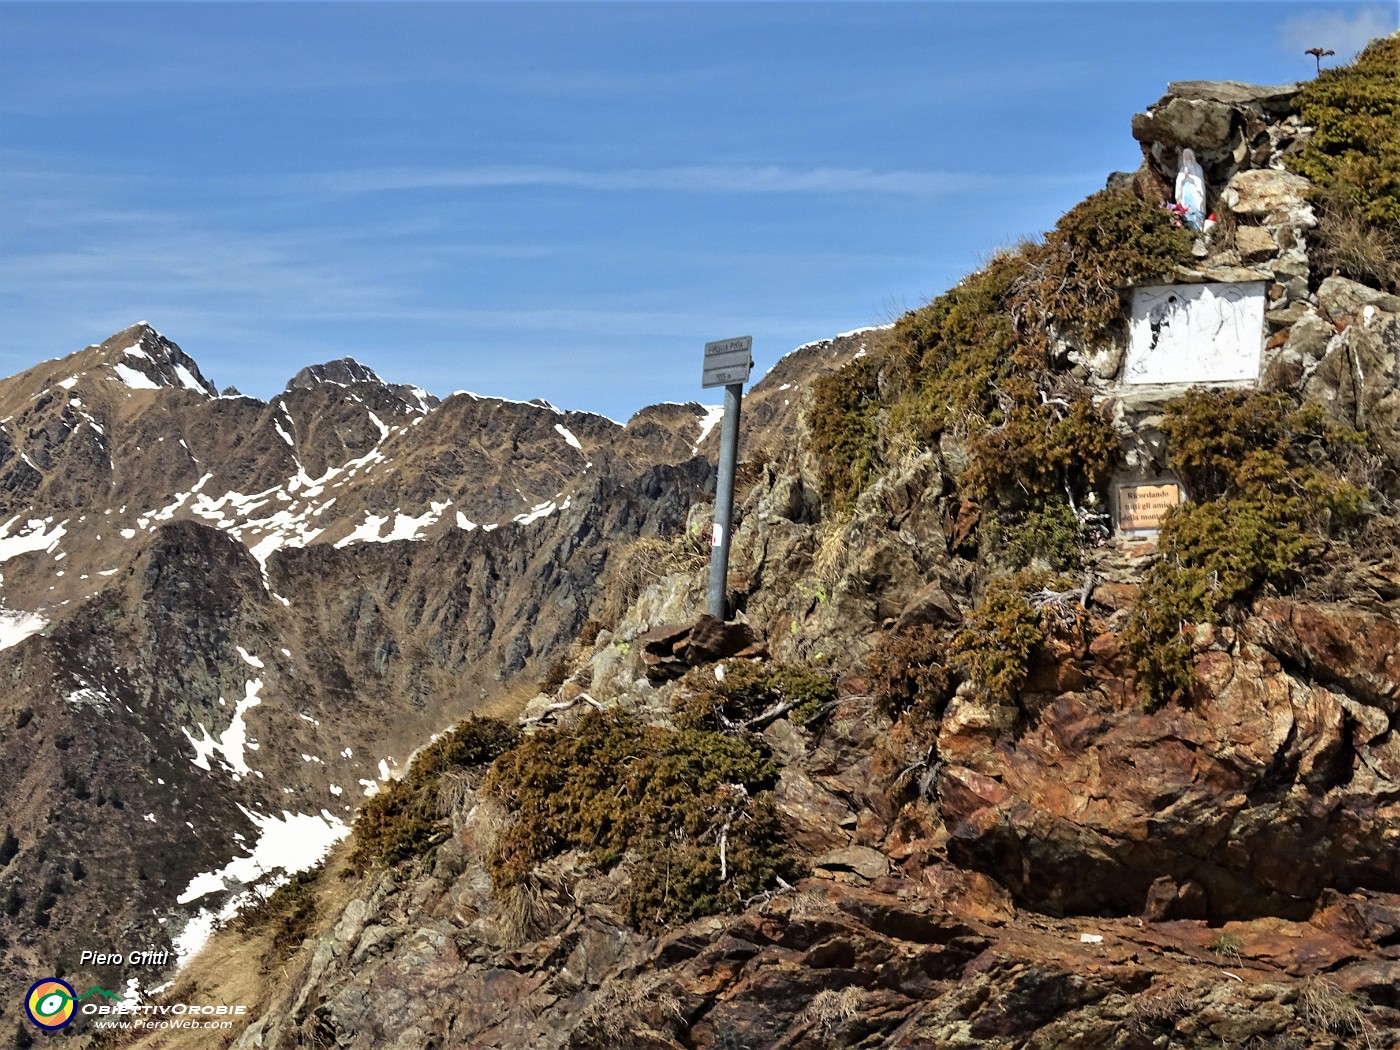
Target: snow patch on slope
[568, 436]
[134, 379]
[711, 419]
[17, 625]
[540, 510]
[37, 538]
[404, 527]
[288, 844]
[233, 740]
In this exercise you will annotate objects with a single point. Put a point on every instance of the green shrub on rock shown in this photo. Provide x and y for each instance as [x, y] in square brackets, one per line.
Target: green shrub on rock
[1269, 483]
[1041, 447]
[748, 690]
[982, 367]
[951, 354]
[994, 650]
[1353, 155]
[689, 804]
[974, 364]
[908, 670]
[1104, 243]
[402, 820]
[1050, 534]
[845, 424]
[287, 914]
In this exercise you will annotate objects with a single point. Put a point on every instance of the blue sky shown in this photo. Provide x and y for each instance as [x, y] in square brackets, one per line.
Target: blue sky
[561, 200]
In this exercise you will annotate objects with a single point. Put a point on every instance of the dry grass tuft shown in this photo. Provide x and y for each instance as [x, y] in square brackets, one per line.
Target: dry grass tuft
[1223, 237]
[807, 903]
[524, 914]
[1162, 1010]
[509, 699]
[833, 550]
[829, 1007]
[614, 1014]
[1349, 245]
[650, 560]
[456, 790]
[1325, 1006]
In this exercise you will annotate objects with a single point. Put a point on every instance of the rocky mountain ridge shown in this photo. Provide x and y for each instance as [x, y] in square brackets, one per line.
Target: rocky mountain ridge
[224, 621]
[970, 768]
[1009, 831]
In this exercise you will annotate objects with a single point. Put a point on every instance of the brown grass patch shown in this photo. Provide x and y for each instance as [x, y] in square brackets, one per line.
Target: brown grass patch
[1356, 249]
[233, 969]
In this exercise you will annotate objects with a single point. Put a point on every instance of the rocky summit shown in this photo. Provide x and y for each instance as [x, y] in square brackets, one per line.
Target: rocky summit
[1056, 707]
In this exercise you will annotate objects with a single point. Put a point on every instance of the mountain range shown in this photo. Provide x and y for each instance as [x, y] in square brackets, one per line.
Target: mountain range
[225, 620]
[1057, 704]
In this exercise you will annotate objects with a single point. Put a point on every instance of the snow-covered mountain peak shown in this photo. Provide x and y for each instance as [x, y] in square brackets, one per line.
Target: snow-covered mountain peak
[142, 359]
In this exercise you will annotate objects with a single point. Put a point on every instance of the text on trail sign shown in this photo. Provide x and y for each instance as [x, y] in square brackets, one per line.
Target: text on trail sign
[727, 361]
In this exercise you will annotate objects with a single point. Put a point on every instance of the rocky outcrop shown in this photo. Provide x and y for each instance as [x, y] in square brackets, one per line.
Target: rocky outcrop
[1232, 127]
[342, 372]
[905, 933]
[1265, 792]
[668, 651]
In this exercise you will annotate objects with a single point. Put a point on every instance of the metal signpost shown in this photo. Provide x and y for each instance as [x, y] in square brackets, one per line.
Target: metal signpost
[727, 364]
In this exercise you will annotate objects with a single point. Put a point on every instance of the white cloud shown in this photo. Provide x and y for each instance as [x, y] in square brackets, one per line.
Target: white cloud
[1345, 32]
[739, 178]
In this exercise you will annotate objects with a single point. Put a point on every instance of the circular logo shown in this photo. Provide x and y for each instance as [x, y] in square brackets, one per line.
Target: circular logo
[49, 1003]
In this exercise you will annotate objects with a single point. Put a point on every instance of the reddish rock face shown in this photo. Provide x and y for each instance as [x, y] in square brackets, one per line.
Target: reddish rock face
[1249, 802]
[1356, 650]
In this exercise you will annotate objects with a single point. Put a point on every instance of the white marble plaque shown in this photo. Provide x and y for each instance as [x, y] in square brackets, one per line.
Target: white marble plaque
[1196, 333]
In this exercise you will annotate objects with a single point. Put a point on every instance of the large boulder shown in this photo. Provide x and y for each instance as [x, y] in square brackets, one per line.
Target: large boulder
[1269, 195]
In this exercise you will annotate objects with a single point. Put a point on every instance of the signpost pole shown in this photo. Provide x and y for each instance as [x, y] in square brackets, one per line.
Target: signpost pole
[727, 364]
[724, 501]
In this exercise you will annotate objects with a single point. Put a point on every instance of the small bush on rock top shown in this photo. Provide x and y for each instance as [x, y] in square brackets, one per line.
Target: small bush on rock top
[402, 820]
[689, 805]
[949, 356]
[1021, 618]
[750, 688]
[1104, 243]
[982, 365]
[1223, 441]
